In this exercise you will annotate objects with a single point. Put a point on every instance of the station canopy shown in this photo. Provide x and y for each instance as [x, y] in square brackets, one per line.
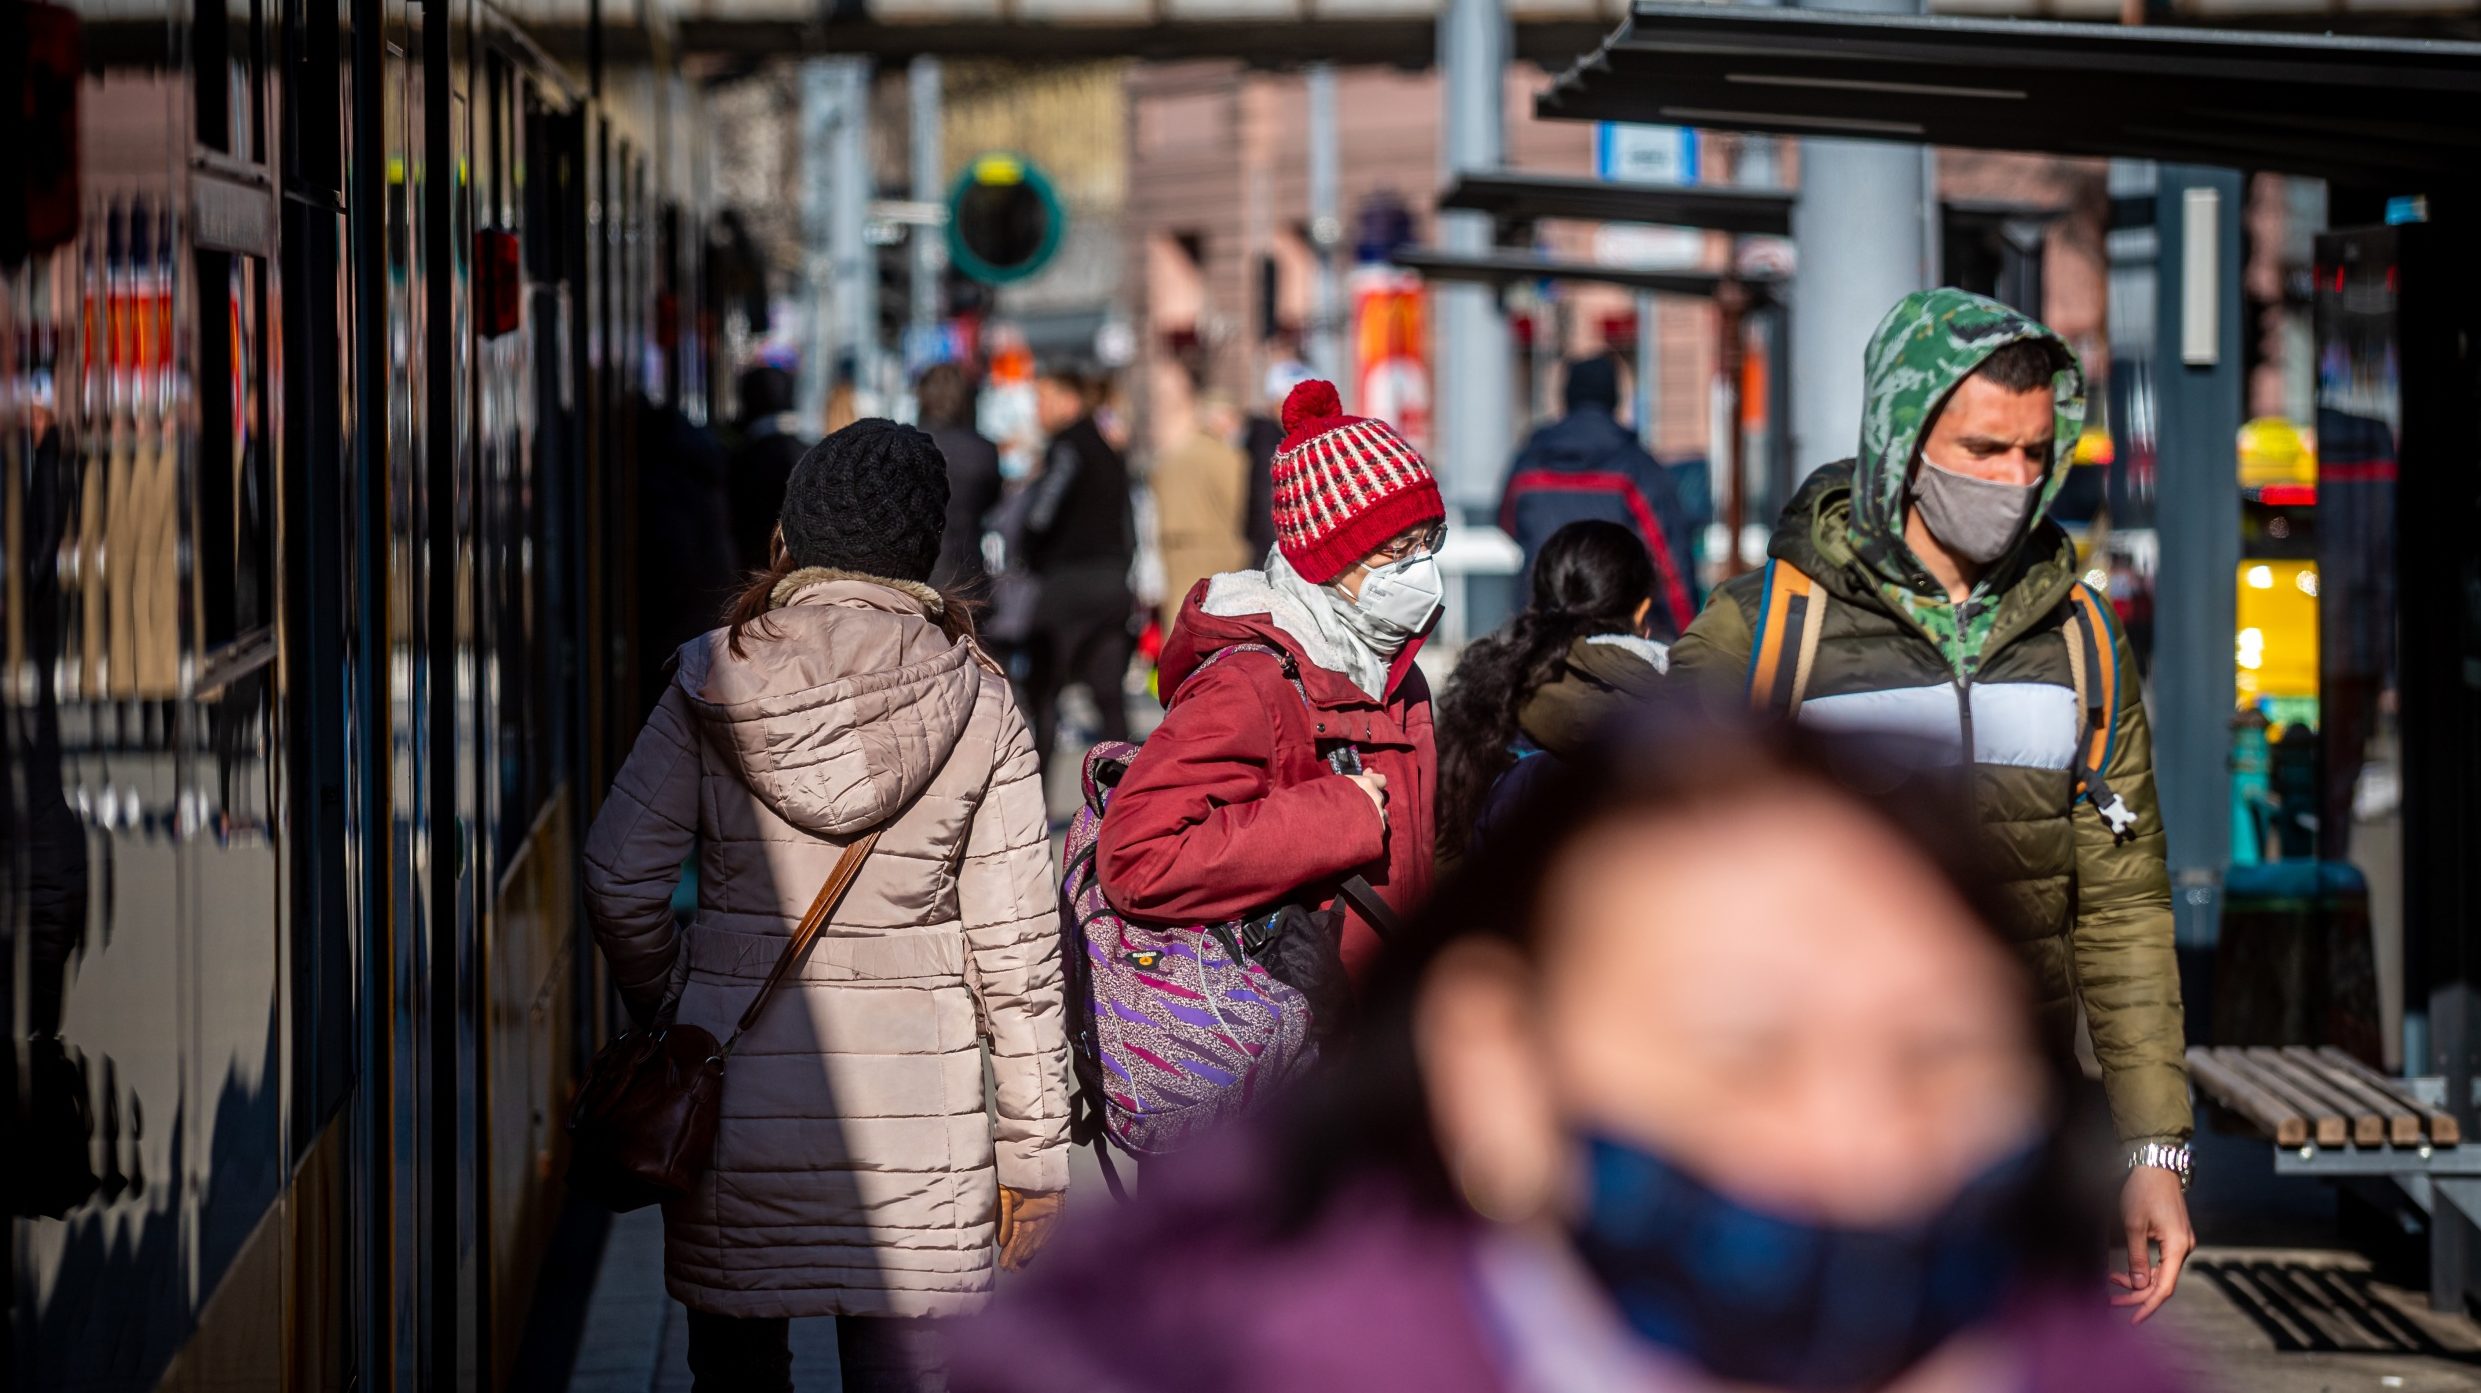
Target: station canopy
[1514, 197]
[1504, 268]
[2400, 114]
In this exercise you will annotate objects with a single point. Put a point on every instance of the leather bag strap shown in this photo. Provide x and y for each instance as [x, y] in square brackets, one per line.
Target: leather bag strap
[848, 867]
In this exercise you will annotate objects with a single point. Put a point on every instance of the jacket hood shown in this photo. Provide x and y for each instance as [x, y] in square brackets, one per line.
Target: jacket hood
[1586, 438]
[849, 701]
[1603, 676]
[1930, 341]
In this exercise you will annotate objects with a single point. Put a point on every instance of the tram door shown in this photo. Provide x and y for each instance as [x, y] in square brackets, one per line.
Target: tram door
[2397, 316]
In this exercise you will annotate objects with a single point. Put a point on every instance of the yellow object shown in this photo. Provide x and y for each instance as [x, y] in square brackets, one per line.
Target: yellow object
[2093, 447]
[2275, 652]
[2273, 451]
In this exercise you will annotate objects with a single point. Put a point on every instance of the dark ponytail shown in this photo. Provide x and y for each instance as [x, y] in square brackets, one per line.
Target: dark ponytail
[1589, 579]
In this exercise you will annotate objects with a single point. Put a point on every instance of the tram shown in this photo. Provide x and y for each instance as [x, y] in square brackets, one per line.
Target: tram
[326, 328]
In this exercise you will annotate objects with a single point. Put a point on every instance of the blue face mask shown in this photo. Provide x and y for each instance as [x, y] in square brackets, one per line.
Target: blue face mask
[1756, 1297]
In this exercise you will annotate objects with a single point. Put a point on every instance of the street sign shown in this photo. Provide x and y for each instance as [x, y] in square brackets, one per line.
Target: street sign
[1631, 153]
[1004, 221]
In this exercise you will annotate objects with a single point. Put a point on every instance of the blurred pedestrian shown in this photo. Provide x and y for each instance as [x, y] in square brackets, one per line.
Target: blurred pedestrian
[1538, 691]
[1201, 501]
[1712, 1074]
[1295, 751]
[685, 569]
[946, 400]
[1921, 589]
[770, 444]
[1587, 465]
[858, 1172]
[1079, 538]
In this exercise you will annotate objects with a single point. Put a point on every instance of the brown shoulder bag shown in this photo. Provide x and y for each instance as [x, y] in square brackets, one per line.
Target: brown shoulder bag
[643, 1129]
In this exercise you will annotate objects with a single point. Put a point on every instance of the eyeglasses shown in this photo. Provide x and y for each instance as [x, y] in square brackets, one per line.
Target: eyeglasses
[1423, 543]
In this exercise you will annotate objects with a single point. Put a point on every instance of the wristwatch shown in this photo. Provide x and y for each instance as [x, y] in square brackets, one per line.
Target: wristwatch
[2169, 1156]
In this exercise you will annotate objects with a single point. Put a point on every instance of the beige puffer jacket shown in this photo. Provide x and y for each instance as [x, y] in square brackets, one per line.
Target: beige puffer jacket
[857, 1168]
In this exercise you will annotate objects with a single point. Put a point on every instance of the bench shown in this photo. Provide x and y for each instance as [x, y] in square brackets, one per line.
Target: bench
[2331, 1117]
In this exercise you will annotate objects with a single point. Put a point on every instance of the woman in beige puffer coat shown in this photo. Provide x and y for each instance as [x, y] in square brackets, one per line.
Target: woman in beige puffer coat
[857, 1172]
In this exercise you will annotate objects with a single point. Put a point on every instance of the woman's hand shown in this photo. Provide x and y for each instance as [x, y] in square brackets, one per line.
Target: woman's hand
[1025, 1220]
[1374, 785]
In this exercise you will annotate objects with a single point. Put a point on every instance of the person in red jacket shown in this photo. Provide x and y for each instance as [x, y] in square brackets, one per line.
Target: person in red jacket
[1278, 776]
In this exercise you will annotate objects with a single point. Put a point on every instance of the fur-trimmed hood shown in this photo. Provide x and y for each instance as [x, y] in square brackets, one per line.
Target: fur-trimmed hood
[849, 700]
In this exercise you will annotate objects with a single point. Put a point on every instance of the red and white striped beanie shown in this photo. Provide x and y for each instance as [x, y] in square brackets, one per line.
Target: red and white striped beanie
[1344, 486]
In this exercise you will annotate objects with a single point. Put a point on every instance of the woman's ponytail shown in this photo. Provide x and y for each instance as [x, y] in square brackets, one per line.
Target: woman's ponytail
[1590, 578]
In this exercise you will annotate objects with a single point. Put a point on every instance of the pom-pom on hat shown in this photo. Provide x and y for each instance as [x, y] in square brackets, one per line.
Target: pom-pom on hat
[1344, 486]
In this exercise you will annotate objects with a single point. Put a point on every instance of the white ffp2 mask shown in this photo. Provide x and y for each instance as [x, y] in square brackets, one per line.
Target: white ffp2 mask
[1404, 596]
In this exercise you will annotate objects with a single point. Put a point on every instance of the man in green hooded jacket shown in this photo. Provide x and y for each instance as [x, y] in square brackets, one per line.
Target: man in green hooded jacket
[1941, 599]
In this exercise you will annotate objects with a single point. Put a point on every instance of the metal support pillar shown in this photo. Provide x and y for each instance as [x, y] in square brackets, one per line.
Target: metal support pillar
[854, 266]
[1326, 227]
[1859, 223]
[1649, 369]
[1474, 348]
[930, 252]
[2199, 393]
[818, 121]
[1474, 354]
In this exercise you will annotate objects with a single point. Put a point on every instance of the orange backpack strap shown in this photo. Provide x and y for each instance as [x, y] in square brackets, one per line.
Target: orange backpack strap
[1791, 614]
[2093, 663]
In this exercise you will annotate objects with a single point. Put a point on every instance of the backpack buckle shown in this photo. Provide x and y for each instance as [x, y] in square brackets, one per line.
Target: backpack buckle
[2118, 816]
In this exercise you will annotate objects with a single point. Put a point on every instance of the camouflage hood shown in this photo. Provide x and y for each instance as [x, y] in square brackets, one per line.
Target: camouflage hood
[1930, 341]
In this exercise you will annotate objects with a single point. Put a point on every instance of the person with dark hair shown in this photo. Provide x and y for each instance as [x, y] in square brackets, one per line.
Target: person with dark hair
[1714, 1072]
[1587, 465]
[945, 396]
[1920, 588]
[1079, 538]
[1538, 691]
[770, 444]
[858, 1171]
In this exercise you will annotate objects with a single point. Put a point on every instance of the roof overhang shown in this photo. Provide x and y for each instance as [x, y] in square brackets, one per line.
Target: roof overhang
[2395, 113]
[1505, 268]
[1511, 197]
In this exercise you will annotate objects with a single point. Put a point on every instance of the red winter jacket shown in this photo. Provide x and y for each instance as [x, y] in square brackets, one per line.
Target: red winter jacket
[1231, 808]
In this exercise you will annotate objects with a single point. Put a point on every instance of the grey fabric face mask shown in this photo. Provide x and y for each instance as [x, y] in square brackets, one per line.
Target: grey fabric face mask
[1977, 519]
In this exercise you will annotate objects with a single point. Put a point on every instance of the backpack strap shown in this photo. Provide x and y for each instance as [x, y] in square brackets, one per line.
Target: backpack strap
[1345, 758]
[2093, 668]
[1783, 649]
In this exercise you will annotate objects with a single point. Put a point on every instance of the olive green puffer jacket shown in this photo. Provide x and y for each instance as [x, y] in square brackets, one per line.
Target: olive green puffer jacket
[1992, 676]
[2096, 914]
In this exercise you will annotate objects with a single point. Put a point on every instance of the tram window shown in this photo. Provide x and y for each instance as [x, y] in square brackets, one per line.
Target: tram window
[236, 504]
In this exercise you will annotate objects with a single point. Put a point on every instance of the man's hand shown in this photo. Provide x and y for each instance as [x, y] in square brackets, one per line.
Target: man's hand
[2153, 1210]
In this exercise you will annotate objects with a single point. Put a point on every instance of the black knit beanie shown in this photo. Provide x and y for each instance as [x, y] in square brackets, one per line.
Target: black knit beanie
[871, 498]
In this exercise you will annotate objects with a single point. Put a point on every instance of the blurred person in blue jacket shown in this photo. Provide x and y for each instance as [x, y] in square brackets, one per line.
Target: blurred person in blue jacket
[1586, 465]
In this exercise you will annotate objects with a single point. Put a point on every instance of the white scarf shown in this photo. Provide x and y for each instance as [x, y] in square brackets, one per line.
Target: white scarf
[1330, 629]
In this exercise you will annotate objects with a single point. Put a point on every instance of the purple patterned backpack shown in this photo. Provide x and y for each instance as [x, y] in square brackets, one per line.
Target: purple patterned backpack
[1175, 1030]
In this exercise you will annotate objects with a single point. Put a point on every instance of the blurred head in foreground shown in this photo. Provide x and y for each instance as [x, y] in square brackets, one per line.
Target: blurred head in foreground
[1712, 1073]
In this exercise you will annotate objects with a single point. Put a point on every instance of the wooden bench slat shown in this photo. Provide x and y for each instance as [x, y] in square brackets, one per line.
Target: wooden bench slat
[2445, 1129]
[2368, 1129]
[2237, 1092]
[2325, 1124]
[2402, 1123]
